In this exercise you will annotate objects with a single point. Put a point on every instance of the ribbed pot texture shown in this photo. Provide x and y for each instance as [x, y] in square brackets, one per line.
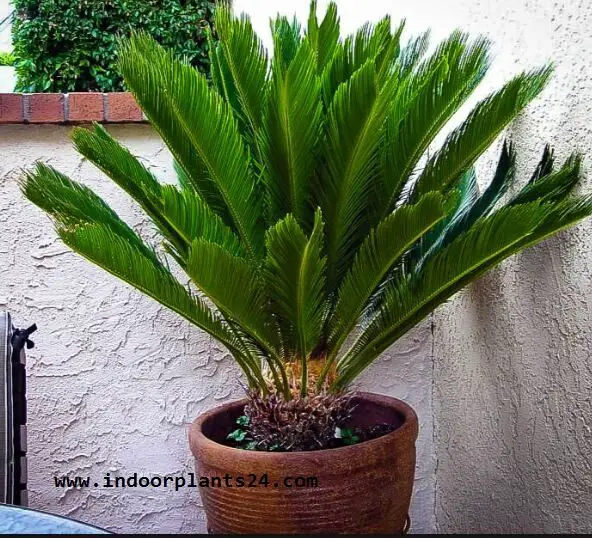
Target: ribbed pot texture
[364, 488]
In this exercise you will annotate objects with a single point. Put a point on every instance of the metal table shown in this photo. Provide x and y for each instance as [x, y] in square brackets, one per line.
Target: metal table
[19, 520]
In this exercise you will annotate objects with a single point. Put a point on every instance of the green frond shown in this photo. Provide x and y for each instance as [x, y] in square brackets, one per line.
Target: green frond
[100, 148]
[182, 179]
[234, 286]
[323, 38]
[487, 120]
[551, 186]
[410, 297]
[388, 58]
[369, 43]
[335, 73]
[465, 195]
[223, 83]
[291, 129]
[200, 129]
[378, 254]
[424, 103]
[502, 179]
[144, 66]
[186, 213]
[246, 61]
[545, 165]
[354, 127]
[126, 261]
[476, 206]
[562, 215]
[117, 162]
[295, 278]
[412, 53]
[287, 38]
[71, 204]
[91, 228]
[181, 216]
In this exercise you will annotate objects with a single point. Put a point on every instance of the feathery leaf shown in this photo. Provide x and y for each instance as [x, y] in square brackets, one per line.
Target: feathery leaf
[287, 38]
[379, 252]
[246, 61]
[295, 277]
[324, 37]
[234, 286]
[126, 261]
[477, 206]
[425, 101]
[291, 129]
[71, 204]
[410, 297]
[552, 186]
[200, 130]
[354, 127]
[466, 143]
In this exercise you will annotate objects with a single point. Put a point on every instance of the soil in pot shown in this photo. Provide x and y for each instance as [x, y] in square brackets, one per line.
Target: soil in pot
[317, 422]
[348, 435]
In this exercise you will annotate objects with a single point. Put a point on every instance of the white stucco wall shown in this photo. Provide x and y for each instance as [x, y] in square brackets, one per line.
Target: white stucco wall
[115, 379]
[5, 39]
[7, 75]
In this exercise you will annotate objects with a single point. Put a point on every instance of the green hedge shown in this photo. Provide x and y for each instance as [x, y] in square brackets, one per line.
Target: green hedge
[70, 45]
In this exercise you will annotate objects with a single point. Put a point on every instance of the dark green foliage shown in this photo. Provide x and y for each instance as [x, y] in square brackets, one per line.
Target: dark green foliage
[70, 45]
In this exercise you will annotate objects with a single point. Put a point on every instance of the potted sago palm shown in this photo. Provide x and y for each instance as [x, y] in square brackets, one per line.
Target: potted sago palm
[315, 230]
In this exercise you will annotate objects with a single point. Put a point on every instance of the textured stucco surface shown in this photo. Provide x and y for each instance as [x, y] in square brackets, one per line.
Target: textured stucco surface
[513, 371]
[115, 379]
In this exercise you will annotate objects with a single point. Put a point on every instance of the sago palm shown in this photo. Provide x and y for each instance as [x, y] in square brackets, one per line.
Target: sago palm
[312, 221]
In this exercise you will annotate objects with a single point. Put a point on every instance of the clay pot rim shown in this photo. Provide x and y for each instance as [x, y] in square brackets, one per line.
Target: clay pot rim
[198, 439]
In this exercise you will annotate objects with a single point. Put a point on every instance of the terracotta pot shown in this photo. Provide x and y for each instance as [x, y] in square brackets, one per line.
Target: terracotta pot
[364, 488]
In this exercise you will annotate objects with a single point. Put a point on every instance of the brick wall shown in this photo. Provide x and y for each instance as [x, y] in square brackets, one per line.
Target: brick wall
[85, 107]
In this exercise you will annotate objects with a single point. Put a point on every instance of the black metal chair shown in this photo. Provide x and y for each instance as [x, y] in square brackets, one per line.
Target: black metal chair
[13, 411]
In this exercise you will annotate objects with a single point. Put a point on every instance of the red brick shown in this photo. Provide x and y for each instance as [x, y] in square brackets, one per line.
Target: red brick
[11, 108]
[85, 107]
[122, 107]
[45, 107]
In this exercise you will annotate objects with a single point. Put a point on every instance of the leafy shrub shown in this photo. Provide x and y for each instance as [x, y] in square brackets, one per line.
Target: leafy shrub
[6, 58]
[70, 45]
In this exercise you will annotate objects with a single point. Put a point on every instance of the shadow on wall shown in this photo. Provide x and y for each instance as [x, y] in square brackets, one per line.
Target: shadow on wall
[520, 450]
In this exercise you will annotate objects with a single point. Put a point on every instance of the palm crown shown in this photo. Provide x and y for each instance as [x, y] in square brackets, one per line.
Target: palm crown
[307, 212]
